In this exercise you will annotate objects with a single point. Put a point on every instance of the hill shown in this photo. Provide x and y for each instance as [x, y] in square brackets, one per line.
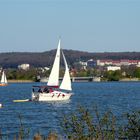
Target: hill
[39, 59]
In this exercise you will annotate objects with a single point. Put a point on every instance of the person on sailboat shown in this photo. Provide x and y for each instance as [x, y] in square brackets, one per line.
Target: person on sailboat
[46, 90]
[51, 90]
[40, 90]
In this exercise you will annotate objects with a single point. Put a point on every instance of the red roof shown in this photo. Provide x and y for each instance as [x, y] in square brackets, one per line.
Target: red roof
[106, 60]
[124, 60]
[119, 61]
[133, 61]
[116, 61]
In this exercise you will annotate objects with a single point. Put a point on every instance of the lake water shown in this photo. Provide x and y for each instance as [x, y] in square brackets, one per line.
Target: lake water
[120, 97]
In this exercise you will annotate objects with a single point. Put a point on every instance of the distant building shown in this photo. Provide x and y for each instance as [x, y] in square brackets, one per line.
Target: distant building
[138, 65]
[43, 69]
[104, 62]
[91, 63]
[113, 68]
[24, 66]
[83, 64]
[122, 62]
[124, 73]
[116, 63]
[46, 68]
[134, 62]
[73, 72]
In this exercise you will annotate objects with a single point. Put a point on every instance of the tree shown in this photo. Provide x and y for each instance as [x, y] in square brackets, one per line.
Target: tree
[137, 72]
[113, 75]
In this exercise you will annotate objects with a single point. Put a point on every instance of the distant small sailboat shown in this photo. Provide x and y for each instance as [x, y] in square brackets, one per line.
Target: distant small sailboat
[0, 105]
[3, 79]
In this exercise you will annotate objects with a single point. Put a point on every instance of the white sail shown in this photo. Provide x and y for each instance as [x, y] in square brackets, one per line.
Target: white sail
[66, 82]
[3, 78]
[54, 76]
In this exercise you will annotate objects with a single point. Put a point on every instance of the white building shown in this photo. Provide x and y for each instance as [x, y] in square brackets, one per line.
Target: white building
[24, 66]
[83, 64]
[113, 68]
[43, 69]
[46, 68]
[104, 62]
[138, 64]
[122, 62]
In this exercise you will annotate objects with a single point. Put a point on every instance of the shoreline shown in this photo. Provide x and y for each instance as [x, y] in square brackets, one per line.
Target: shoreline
[20, 81]
[121, 80]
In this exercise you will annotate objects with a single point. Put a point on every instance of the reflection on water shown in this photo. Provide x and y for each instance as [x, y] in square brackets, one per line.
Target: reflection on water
[46, 116]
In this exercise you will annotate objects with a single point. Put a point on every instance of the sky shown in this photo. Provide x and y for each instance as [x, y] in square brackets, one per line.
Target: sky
[84, 25]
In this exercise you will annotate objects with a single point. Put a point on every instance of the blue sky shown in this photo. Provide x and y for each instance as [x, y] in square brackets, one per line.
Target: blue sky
[85, 25]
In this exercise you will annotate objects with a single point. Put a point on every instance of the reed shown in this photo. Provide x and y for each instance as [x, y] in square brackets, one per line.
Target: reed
[85, 124]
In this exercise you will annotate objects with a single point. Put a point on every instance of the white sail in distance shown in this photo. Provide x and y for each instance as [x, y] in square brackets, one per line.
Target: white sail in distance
[66, 82]
[3, 78]
[54, 75]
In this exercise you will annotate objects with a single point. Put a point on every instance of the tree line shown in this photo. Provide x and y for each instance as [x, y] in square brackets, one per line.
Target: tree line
[41, 59]
[34, 73]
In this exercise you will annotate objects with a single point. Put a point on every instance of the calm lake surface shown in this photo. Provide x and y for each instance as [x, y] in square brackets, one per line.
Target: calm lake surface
[120, 97]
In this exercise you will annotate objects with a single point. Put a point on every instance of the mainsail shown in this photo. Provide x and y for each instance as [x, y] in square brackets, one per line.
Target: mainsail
[54, 76]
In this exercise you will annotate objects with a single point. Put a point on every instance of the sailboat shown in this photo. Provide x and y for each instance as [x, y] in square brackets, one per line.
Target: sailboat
[3, 79]
[0, 105]
[52, 91]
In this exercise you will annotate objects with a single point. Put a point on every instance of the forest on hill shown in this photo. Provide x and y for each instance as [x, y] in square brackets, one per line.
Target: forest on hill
[40, 59]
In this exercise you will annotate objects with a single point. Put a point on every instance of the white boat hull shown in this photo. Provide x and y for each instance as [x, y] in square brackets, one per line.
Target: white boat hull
[53, 96]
